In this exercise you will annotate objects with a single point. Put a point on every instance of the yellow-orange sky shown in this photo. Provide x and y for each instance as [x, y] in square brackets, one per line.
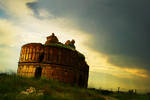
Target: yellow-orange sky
[19, 25]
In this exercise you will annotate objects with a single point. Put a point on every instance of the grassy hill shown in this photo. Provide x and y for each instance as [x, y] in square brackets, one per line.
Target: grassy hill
[13, 87]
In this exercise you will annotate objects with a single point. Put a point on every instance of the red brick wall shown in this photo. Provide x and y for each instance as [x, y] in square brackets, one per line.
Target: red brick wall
[58, 63]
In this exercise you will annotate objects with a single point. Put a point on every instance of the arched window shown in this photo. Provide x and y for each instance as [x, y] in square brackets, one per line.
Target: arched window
[80, 82]
[38, 72]
[41, 57]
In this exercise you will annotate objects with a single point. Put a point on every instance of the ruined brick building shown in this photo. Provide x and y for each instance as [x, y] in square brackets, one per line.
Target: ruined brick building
[54, 60]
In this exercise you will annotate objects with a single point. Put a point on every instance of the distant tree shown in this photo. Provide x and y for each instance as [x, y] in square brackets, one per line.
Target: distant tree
[131, 91]
[135, 91]
[148, 93]
[118, 89]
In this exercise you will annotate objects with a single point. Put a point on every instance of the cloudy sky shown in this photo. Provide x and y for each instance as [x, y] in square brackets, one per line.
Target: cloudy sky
[113, 35]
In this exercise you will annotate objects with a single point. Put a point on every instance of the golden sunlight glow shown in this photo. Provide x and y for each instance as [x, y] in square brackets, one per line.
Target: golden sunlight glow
[26, 28]
[39, 29]
[16, 7]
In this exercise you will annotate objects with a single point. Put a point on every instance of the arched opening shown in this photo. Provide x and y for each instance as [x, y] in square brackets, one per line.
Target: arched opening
[38, 72]
[80, 81]
[41, 57]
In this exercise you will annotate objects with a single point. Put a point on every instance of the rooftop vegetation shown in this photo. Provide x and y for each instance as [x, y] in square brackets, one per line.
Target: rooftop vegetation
[60, 45]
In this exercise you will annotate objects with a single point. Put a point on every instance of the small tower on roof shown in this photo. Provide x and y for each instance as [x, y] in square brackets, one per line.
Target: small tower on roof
[54, 60]
[52, 39]
[70, 43]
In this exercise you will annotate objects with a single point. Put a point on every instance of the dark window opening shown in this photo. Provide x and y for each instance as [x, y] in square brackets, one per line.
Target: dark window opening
[38, 72]
[41, 57]
[80, 81]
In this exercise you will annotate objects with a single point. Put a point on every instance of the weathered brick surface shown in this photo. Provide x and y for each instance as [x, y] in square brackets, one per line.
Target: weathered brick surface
[56, 63]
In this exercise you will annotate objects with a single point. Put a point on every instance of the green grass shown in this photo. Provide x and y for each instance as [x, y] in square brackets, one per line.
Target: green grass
[127, 96]
[60, 45]
[12, 85]
[66, 47]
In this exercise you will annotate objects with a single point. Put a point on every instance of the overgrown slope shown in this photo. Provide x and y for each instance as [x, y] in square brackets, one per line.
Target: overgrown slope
[11, 87]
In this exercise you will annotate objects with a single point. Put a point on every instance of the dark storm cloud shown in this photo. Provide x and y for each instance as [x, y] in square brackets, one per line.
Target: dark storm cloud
[121, 27]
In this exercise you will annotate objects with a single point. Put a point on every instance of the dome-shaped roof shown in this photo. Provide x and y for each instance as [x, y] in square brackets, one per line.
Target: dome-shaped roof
[32, 45]
[52, 39]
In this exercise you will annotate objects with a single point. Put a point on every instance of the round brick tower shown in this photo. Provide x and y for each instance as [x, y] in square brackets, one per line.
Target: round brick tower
[54, 60]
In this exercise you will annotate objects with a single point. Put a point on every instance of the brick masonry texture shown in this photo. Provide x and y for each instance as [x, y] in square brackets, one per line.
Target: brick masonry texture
[53, 62]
